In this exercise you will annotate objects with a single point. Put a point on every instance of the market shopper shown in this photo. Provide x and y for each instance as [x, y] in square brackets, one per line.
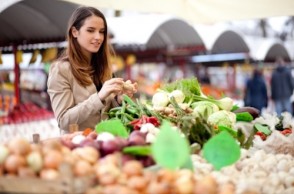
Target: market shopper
[256, 91]
[81, 85]
[282, 86]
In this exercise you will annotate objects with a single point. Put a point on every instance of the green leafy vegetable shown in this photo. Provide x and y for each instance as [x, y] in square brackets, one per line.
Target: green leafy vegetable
[221, 150]
[113, 126]
[167, 156]
[137, 150]
[228, 129]
[244, 116]
[235, 107]
[188, 164]
[248, 143]
[279, 126]
[262, 128]
[241, 137]
[189, 86]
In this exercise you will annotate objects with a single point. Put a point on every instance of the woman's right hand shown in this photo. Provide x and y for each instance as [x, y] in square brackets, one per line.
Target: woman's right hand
[112, 86]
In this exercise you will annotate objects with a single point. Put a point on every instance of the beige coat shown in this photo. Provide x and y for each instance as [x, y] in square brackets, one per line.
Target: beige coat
[73, 103]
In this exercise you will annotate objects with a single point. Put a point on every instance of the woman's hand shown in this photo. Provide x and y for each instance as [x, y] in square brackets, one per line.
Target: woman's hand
[128, 89]
[112, 86]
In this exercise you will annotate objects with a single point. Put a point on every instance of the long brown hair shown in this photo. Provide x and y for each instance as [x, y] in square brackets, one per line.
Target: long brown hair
[100, 68]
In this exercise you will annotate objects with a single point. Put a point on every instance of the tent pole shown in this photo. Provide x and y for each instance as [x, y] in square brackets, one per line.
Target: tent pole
[16, 77]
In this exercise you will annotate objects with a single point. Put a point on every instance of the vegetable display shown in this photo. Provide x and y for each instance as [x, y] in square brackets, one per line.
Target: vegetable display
[180, 141]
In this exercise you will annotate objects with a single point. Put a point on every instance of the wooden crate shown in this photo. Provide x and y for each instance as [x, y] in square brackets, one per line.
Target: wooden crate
[67, 184]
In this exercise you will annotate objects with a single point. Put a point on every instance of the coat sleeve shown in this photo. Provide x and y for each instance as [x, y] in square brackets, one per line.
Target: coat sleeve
[60, 82]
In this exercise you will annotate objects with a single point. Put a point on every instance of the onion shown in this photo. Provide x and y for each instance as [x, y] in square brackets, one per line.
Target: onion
[49, 174]
[53, 159]
[19, 146]
[35, 161]
[1, 170]
[4, 152]
[87, 153]
[82, 168]
[51, 144]
[25, 172]
[13, 163]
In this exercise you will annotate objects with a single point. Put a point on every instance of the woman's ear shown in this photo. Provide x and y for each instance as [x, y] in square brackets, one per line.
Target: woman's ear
[74, 32]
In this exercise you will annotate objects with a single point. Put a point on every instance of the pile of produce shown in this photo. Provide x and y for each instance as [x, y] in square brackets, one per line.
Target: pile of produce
[109, 174]
[256, 171]
[180, 141]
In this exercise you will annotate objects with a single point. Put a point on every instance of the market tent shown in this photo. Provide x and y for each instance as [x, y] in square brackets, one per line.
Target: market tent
[201, 11]
[152, 31]
[275, 50]
[30, 21]
[230, 42]
[268, 49]
[219, 39]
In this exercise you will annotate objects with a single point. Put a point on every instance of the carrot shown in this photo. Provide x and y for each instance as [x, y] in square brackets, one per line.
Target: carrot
[87, 131]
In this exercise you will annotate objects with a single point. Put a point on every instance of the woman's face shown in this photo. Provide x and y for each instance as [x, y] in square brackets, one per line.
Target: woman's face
[91, 35]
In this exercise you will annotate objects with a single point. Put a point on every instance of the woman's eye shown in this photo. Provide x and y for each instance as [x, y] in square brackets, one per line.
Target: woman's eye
[90, 30]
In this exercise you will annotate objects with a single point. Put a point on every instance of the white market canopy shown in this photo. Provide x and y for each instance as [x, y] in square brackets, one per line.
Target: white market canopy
[152, 31]
[34, 21]
[202, 11]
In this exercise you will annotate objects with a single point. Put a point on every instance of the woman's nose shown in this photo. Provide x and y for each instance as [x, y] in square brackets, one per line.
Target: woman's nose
[97, 35]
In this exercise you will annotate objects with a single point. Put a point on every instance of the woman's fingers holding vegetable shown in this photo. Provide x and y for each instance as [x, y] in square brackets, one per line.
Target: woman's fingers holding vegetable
[129, 87]
[115, 81]
[114, 85]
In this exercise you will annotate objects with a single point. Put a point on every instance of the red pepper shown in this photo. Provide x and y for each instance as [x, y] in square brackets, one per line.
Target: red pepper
[286, 131]
[153, 120]
[261, 135]
[137, 123]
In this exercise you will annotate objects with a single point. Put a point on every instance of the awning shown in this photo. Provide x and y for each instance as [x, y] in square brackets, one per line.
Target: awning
[32, 21]
[152, 31]
[201, 11]
[267, 49]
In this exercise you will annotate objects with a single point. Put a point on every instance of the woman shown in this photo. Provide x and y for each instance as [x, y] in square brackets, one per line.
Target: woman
[80, 83]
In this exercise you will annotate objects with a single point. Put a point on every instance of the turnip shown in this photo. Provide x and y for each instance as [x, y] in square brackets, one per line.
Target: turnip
[160, 99]
[78, 139]
[4, 152]
[223, 117]
[105, 136]
[204, 108]
[225, 103]
[178, 95]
